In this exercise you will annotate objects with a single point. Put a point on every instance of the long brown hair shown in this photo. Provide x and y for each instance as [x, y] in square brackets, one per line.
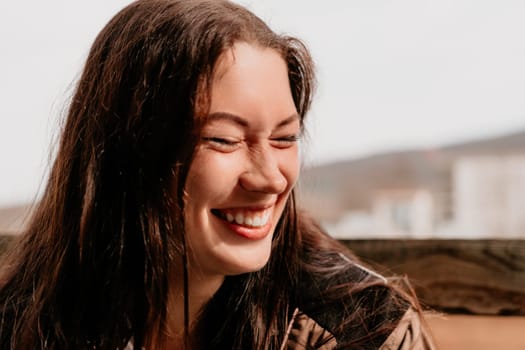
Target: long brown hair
[91, 269]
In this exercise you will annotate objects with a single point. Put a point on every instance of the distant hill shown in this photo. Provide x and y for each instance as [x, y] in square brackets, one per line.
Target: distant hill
[506, 144]
[330, 189]
[13, 219]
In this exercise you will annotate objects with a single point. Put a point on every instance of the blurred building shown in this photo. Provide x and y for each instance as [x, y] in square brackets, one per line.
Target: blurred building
[404, 212]
[489, 196]
[394, 213]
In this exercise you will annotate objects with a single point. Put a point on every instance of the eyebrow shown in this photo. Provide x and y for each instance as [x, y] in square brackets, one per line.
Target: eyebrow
[243, 122]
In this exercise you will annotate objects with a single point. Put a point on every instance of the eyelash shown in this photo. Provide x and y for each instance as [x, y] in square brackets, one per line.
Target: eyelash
[227, 144]
[287, 140]
[221, 141]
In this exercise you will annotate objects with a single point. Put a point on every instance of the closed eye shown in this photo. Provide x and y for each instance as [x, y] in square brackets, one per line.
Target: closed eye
[285, 141]
[222, 144]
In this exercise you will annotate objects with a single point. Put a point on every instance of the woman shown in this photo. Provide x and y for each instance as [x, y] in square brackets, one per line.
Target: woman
[169, 218]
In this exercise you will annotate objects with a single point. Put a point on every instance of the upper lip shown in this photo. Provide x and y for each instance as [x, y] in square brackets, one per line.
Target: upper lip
[251, 206]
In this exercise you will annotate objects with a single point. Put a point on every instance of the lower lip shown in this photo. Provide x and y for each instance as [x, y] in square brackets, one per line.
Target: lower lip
[253, 233]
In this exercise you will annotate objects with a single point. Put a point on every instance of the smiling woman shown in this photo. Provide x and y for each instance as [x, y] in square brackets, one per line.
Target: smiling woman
[169, 218]
[246, 164]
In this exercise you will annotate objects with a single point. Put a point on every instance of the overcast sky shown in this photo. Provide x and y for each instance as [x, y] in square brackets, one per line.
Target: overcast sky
[392, 74]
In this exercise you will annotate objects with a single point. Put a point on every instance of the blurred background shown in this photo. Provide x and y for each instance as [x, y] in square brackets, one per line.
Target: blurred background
[415, 152]
[417, 129]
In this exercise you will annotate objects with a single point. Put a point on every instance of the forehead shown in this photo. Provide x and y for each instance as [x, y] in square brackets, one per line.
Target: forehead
[250, 79]
[242, 56]
[239, 54]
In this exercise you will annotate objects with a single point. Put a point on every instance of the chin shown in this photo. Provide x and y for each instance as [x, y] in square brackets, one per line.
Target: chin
[252, 264]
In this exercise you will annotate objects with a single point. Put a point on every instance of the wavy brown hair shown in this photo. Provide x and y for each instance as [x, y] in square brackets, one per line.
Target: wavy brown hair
[91, 269]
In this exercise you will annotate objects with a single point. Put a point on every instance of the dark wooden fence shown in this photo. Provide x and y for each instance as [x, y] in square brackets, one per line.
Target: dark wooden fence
[465, 276]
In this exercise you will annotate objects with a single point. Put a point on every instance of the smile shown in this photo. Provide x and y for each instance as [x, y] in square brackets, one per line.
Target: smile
[244, 217]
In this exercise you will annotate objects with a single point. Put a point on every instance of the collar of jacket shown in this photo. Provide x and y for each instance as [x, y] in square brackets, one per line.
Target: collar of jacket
[304, 333]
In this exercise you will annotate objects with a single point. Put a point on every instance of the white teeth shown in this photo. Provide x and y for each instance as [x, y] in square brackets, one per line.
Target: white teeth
[239, 219]
[252, 221]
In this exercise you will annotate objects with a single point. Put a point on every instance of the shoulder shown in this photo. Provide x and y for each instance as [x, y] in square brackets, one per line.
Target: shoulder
[340, 298]
[409, 333]
[305, 333]
[350, 301]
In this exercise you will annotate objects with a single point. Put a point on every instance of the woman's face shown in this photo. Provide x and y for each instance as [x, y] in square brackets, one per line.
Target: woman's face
[245, 165]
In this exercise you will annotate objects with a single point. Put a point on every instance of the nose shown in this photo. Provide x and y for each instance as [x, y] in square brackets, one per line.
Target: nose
[263, 174]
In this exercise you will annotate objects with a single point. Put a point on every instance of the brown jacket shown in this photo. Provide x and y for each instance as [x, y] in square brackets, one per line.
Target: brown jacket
[327, 322]
[304, 334]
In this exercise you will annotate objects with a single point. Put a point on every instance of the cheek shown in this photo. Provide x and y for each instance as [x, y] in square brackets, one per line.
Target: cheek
[210, 177]
[290, 166]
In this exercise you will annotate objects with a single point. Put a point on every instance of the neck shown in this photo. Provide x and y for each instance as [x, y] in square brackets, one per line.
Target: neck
[201, 288]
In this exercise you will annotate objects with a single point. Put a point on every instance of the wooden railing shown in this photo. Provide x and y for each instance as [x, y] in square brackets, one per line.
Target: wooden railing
[457, 276]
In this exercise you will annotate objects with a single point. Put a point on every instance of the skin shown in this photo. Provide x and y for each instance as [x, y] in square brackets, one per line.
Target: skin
[246, 163]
